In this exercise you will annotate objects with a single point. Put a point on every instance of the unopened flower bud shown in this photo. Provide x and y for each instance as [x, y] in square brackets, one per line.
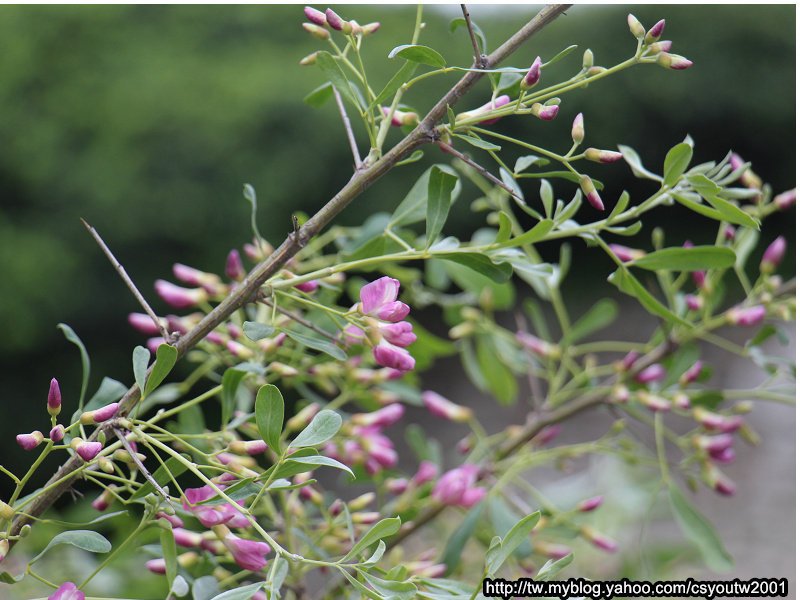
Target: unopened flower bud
[692, 373]
[103, 501]
[626, 254]
[282, 369]
[92, 417]
[370, 28]
[590, 504]
[786, 199]
[598, 539]
[54, 398]
[718, 481]
[544, 112]
[637, 29]
[588, 189]
[365, 518]
[317, 31]
[334, 20]
[578, 131]
[440, 406]
[57, 433]
[602, 156]
[538, 346]
[620, 394]
[105, 465]
[673, 61]
[588, 59]
[717, 422]
[596, 70]
[25, 530]
[533, 75]
[303, 417]
[29, 441]
[315, 16]
[239, 350]
[772, 256]
[250, 447]
[179, 297]
[653, 402]
[396, 486]
[6, 511]
[655, 32]
[361, 502]
[552, 551]
[401, 118]
[461, 330]
[746, 316]
[86, 450]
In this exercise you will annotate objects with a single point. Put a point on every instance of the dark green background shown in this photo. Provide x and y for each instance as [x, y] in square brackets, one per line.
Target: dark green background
[147, 120]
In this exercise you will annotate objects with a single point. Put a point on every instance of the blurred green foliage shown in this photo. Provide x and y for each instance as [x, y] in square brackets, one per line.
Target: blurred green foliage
[147, 120]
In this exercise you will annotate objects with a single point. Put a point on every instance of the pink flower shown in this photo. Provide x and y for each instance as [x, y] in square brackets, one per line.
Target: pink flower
[157, 566]
[103, 501]
[652, 373]
[234, 269]
[174, 520]
[588, 189]
[87, 450]
[590, 504]
[426, 472]
[629, 360]
[626, 254]
[453, 488]
[315, 16]
[308, 286]
[773, 255]
[335, 21]
[143, 323]
[655, 32]
[387, 355]
[399, 334]
[57, 433]
[717, 422]
[694, 302]
[379, 299]
[29, 441]
[396, 486]
[248, 554]
[488, 107]
[692, 373]
[440, 406]
[544, 112]
[186, 538]
[724, 456]
[54, 398]
[179, 297]
[533, 75]
[101, 414]
[746, 317]
[785, 199]
[67, 591]
[388, 415]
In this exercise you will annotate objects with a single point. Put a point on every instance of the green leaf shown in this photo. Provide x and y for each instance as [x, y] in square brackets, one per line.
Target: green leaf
[440, 189]
[257, 331]
[729, 211]
[381, 529]
[249, 193]
[697, 529]
[317, 343]
[320, 461]
[179, 587]
[676, 163]
[241, 593]
[86, 364]
[403, 74]
[459, 538]
[698, 258]
[364, 590]
[620, 206]
[499, 379]
[413, 208]
[539, 231]
[170, 553]
[480, 263]
[269, 415]
[141, 356]
[161, 476]
[601, 315]
[628, 230]
[635, 163]
[415, 156]
[479, 35]
[334, 73]
[6, 577]
[478, 142]
[503, 228]
[698, 207]
[205, 588]
[323, 427]
[418, 54]
[320, 95]
[277, 575]
[552, 568]
[628, 284]
[91, 541]
[230, 384]
[166, 357]
[523, 162]
[546, 194]
[518, 534]
[397, 590]
[565, 52]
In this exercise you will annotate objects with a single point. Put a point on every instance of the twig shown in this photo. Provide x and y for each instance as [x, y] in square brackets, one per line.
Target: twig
[536, 391]
[128, 281]
[139, 465]
[248, 289]
[480, 58]
[348, 128]
[482, 170]
[304, 322]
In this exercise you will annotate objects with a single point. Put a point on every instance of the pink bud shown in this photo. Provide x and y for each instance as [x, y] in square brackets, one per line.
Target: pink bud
[653, 402]
[87, 450]
[322, 34]
[57, 433]
[54, 398]
[453, 488]
[186, 538]
[655, 32]
[103, 501]
[440, 406]
[773, 255]
[533, 75]
[387, 355]
[588, 189]
[694, 302]
[143, 323]
[396, 486]
[554, 551]
[370, 28]
[692, 373]
[590, 504]
[717, 422]
[636, 27]
[599, 540]
[250, 447]
[626, 254]
[399, 334]
[578, 132]
[29, 441]
[673, 61]
[498, 102]
[174, 520]
[179, 297]
[67, 591]
[248, 554]
[546, 435]
[662, 46]
[384, 417]
[234, 269]
[650, 374]
[315, 16]
[629, 360]
[746, 317]
[544, 112]
[101, 414]
[401, 118]
[730, 232]
[602, 156]
[335, 21]
[157, 566]
[714, 443]
[426, 472]
[724, 456]
[786, 199]
[537, 346]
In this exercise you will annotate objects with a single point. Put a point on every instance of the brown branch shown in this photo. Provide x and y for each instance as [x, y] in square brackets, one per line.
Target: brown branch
[128, 281]
[248, 289]
[480, 169]
[348, 128]
[480, 58]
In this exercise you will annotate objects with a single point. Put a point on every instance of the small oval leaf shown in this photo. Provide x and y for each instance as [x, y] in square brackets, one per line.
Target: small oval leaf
[419, 54]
